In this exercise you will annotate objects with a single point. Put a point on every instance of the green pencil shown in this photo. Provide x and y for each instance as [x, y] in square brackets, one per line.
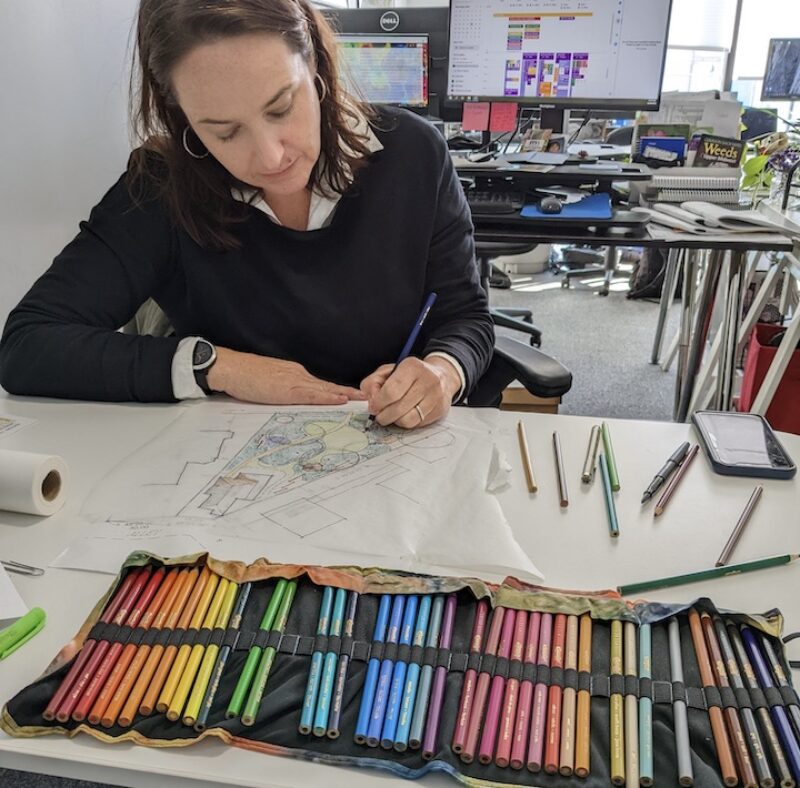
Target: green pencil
[612, 463]
[246, 676]
[707, 574]
[267, 658]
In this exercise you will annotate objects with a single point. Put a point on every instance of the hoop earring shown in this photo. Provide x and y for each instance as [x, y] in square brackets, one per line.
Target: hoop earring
[323, 88]
[186, 146]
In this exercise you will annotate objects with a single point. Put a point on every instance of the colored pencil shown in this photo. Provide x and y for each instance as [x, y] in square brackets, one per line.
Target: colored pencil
[385, 675]
[234, 625]
[335, 717]
[610, 459]
[409, 689]
[85, 653]
[616, 732]
[392, 715]
[254, 654]
[608, 495]
[631, 666]
[590, 462]
[681, 724]
[725, 756]
[674, 481]
[373, 667]
[555, 694]
[780, 680]
[646, 776]
[491, 724]
[538, 732]
[261, 676]
[743, 520]
[470, 677]
[430, 742]
[505, 738]
[320, 725]
[563, 494]
[482, 688]
[426, 675]
[566, 760]
[583, 714]
[315, 671]
[522, 723]
[210, 654]
[530, 479]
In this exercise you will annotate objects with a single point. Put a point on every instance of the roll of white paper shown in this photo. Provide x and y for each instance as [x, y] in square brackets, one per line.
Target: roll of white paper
[32, 483]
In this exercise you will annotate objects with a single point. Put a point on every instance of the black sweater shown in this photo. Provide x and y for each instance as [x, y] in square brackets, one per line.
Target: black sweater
[340, 300]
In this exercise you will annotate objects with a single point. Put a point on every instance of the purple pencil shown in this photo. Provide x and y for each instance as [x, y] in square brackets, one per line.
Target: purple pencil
[492, 722]
[429, 742]
[538, 732]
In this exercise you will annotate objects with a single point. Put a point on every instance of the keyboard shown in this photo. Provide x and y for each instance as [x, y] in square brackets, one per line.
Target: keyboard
[493, 203]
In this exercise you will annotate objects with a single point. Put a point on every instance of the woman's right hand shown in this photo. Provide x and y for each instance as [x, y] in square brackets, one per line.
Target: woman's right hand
[273, 381]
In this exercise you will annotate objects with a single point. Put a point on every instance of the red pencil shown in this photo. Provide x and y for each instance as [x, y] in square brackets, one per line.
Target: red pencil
[539, 712]
[552, 750]
[468, 688]
[494, 709]
[506, 736]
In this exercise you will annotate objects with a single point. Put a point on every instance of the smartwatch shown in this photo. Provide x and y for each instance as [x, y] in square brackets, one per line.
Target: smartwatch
[203, 358]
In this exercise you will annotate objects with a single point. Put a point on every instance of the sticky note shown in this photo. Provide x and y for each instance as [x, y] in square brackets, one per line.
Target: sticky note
[476, 116]
[503, 116]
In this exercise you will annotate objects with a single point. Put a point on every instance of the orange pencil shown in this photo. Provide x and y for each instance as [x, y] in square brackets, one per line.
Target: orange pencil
[567, 759]
[552, 749]
[147, 658]
[583, 714]
[99, 712]
[168, 654]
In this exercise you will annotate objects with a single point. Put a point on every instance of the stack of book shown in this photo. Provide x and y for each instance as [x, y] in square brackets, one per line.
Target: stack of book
[682, 184]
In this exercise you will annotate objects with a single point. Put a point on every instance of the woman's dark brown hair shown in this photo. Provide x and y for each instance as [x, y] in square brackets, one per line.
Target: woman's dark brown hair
[198, 191]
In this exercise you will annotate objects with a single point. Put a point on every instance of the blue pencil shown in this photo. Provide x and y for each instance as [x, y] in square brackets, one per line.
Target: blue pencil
[385, 675]
[315, 671]
[399, 678]
[341, 670]
[645, 709]
[329, 667]
[426, 676]
[371, 680]
[412, 678]
[611, 509]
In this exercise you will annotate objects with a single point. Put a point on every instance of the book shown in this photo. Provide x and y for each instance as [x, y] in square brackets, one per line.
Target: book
[684, 184]
[700, 218]
[720, 196]
[715, 151]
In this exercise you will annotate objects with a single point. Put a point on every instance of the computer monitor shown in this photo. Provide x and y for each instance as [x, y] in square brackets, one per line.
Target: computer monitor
[782, 75]
[604, 54]
[386, 69]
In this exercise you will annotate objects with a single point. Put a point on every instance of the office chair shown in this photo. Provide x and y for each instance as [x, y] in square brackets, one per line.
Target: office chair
[621, 136]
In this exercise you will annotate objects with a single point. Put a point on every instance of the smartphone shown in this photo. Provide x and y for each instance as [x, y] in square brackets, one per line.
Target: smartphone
[742, 444]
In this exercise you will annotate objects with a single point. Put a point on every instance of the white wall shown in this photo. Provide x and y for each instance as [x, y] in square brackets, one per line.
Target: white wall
[63, 131]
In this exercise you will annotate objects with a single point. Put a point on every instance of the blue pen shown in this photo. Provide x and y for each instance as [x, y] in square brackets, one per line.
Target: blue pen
[371, 681]
[399, 676]
[412, 337]
[412, 678]
[385, 675]
[329, 667]
[315, 671]
[426, 676]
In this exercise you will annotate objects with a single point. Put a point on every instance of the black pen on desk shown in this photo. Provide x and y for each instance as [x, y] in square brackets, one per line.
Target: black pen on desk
[412, 338]
[669, 466]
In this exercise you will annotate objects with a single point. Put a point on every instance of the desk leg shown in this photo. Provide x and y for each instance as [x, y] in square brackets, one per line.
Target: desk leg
[667, 297]
[685, 330]
[730, 329]
[612, 253]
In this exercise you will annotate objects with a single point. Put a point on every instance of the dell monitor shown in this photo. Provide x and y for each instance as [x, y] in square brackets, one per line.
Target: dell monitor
[782, 77]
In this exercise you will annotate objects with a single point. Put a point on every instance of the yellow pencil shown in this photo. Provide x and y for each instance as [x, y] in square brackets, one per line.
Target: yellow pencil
[209, 658]
[617, 736]
[182, 657]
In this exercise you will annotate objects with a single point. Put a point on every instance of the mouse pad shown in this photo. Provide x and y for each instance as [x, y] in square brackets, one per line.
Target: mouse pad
[593, 206]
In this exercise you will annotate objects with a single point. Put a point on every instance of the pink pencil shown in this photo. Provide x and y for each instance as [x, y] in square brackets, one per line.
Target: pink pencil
[555, 697]
[538, 733]
[492, 722]
[506, 737]
[482, 688]
[468, 688]
[523, 722]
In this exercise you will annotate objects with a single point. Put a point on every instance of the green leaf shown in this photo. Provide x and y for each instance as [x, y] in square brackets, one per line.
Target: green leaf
[755, 165]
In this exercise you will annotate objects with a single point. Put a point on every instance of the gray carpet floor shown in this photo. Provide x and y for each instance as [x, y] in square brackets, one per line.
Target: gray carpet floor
[605, 341]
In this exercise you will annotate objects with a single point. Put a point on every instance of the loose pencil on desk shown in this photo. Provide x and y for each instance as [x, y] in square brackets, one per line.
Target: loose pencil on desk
[608, 495]
[315, 670]
[411, 683]
[251, 707]
[373, 668]
[645, 708]
[590, 461]
[470, 677]
[392, 714]
[675, 479]
[631, 666]
[741, 523]
[561, 476]
[616, 732]
[555, 695]
[583, 722]
[505, 737]
[522, 724]
[219, 668]
[538, 732]
[681, 724]
[254, 654]
[337, 703]
[426, 675]
[320, 725]
[608, 449]
[430, 742]
[530, 479]
[566, 760]
[210, 656]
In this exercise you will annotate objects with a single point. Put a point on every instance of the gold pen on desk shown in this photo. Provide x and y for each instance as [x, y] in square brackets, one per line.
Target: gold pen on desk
[526, 458]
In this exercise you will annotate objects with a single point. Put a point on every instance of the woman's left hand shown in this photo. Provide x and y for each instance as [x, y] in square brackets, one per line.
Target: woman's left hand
[413, 393]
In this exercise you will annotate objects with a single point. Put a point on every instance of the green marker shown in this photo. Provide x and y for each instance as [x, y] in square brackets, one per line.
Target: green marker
[612, 463]
[707, 574]
[267, 658]
[237, 699]
[21, 631]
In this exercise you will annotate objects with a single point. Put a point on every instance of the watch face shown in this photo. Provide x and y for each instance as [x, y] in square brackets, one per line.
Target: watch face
[203, 353]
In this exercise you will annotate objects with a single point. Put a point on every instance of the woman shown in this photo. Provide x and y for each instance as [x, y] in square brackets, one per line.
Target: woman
[289, 233]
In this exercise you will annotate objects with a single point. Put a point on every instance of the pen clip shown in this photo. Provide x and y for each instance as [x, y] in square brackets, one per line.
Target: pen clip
[22, 569]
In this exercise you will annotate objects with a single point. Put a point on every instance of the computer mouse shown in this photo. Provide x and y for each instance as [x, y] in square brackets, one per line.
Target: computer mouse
[550, 204]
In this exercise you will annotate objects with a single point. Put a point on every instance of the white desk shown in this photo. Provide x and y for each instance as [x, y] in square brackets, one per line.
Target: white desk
[571, 546]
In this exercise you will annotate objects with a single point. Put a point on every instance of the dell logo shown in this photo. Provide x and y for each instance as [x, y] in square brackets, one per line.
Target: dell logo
[389, 21]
